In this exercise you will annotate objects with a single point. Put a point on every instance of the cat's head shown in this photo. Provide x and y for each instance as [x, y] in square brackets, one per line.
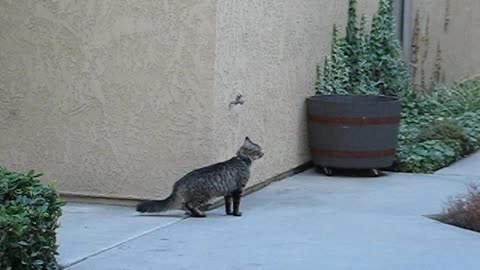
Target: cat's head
[250, 150]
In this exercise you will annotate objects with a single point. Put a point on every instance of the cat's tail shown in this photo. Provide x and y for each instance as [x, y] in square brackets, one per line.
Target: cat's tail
[156, 205]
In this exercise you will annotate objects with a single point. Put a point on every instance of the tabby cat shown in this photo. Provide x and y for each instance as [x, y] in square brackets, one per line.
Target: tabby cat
[197, 188]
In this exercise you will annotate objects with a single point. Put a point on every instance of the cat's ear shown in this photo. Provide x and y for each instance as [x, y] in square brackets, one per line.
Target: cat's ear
[247, 142]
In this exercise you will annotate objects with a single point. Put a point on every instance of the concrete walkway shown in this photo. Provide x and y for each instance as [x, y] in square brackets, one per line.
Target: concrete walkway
[307, 221]
[468, 166]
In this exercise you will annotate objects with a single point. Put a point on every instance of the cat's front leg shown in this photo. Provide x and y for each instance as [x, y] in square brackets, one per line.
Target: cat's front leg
[236, 197]
[228, 204]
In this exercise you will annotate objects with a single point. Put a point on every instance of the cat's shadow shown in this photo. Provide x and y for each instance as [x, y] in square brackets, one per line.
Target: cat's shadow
[178, 215]
[162, 215]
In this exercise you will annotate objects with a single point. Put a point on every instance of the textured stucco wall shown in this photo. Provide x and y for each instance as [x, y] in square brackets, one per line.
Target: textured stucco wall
[110, 97]
[268, 51]
[121, 98]
[453, 26]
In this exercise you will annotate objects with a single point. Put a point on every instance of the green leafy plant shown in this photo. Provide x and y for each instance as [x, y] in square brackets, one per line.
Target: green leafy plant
[365, 62]
[446, 130]
[388, 69]
[29, 212]
[471, 124]
[427, 156]
[336, 73]
[439, 127]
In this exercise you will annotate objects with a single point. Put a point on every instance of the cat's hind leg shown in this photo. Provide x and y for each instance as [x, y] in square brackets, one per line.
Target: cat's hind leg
[205, 207]
[194, 211]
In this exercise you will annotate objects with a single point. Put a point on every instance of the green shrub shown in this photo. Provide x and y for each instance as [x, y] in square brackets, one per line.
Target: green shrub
[389, 70]
[439, 127]
[471, 124]
[447, 130]
[29, 212]
[365, 62]
[427, 156]
[335, 78]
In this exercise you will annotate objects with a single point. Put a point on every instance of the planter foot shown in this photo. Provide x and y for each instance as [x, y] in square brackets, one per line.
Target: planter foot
[374, 172]
[327, 171]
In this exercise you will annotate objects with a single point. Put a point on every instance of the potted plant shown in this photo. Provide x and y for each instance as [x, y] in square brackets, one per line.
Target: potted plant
[353, 120]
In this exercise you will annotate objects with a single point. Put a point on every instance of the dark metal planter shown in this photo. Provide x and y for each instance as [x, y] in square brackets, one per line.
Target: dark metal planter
[353, 131]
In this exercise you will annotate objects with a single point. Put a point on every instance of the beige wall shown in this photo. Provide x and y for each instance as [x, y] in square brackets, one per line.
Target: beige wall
[109, 97]
[454, 27]
[121, 98]
[268, 51]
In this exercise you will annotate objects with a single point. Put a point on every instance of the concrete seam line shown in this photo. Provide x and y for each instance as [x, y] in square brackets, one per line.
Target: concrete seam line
[119, 243]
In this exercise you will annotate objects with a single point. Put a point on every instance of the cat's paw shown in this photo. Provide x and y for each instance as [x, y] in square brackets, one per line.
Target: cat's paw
[198, 214]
